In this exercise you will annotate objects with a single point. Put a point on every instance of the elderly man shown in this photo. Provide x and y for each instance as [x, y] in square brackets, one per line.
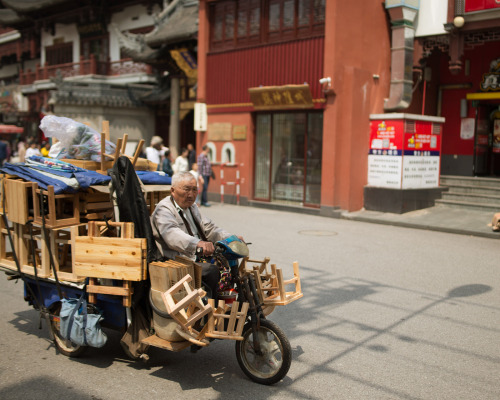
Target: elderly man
[179, 228]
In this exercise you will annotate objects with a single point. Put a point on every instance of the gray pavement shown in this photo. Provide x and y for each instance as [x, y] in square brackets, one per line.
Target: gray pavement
[438, 218]
[388, 313]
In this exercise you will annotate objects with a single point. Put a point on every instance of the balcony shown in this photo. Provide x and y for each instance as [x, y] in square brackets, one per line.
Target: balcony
[84, 67]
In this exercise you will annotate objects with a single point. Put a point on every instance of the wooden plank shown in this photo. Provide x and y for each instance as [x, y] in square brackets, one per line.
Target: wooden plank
[112, 258]
[17, 193]
[113, 290]
[155, 341]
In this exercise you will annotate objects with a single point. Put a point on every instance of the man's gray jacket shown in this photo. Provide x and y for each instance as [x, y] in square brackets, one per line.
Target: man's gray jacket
[171, 234]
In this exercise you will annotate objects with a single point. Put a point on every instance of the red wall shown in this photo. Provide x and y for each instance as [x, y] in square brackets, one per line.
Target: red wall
[480, 59]
[232, 73]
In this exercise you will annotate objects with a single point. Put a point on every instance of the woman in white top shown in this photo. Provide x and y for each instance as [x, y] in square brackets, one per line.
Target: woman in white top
[181, 163]
[33, 150]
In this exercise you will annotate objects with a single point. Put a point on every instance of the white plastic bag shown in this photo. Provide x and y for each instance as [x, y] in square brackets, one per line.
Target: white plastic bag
[76, 140]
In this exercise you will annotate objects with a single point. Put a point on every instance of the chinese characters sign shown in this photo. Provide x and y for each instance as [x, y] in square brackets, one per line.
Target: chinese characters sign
[404, 153]
[281, 97]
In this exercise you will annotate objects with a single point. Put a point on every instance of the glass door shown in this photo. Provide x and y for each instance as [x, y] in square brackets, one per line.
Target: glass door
[481, 141]
[288, 157]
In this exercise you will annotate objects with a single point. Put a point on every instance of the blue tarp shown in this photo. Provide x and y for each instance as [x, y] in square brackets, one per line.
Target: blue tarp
[35, 164]
[31, 171]
[154, 178]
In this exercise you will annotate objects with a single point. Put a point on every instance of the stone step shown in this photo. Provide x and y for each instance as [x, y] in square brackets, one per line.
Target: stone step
[450, 180]
[465, 189]
[472, 198]
[493, 208]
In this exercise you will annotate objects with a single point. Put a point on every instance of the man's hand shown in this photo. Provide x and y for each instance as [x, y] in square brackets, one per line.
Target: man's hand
[207, 247]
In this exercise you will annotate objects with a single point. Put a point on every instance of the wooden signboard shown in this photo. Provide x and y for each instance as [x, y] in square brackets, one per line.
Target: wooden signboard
[281, 97]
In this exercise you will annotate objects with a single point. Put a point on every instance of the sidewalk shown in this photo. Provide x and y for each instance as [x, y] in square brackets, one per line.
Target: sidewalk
[438, 218]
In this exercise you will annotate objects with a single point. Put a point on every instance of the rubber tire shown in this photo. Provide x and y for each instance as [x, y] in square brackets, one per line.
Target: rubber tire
[64, 346]
[283, 343]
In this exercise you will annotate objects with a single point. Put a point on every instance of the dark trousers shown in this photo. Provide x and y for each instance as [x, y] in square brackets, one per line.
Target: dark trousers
[206, 181]
[210, 277]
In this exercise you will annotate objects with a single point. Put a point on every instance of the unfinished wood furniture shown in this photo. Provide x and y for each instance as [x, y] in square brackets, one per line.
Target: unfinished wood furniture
[119, 258]
[62, 209]
[18, 198]
[26, 246]
[153, 198]
[6, 257]
[187, 310]
[227, 322]
[270, 285]
[95, 205]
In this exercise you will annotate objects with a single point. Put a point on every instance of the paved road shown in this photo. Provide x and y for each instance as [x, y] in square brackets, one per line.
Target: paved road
[387, 313]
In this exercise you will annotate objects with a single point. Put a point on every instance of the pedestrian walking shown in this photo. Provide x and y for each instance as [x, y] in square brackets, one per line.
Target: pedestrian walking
[205, 168]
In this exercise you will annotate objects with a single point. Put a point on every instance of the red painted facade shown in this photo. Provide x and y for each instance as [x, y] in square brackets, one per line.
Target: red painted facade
[353, 51]
[232, 73]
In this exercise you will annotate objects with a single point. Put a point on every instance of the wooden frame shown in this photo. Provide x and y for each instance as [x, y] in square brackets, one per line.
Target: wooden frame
[271, 286]
[122, 258]
[187, 310]
[56, 203]
[17, 196]
[236, 318]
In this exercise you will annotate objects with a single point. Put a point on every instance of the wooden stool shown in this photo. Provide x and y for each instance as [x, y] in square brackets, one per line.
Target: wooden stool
[56, 217]
[236, 320]
[188, 310]
[271, 287]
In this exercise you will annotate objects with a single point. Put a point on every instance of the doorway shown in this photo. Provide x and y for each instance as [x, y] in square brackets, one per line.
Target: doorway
[288, 157]
[487, 139]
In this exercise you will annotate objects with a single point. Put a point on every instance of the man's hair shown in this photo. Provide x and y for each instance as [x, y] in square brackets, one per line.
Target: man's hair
[204, 147]
[181, 177]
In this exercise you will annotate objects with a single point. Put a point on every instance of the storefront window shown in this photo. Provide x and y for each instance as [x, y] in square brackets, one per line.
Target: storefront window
[288, 157]
[262, 160]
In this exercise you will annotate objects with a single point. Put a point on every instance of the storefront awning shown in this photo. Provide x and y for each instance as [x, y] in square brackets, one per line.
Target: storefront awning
[484, 96]
[11, 129]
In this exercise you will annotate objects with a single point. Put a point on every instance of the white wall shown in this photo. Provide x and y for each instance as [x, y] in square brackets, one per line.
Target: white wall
[431, 17]
[130, 18]
[69, 33]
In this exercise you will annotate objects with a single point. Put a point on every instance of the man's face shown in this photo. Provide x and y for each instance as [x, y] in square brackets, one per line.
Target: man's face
[184, 193]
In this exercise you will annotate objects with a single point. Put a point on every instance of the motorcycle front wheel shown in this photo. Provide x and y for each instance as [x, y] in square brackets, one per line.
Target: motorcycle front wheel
[64, 346]
[273, 364]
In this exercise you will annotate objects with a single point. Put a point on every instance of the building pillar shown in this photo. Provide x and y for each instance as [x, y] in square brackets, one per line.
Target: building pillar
[174, 128]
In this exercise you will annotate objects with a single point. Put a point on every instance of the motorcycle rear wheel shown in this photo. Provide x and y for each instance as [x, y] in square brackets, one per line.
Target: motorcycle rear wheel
[276, 358]
[64, 346]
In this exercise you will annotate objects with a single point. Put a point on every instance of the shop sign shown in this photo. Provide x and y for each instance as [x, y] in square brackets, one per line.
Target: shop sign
[480, 5]
[281, 97]
[491, 80]
[91, 29]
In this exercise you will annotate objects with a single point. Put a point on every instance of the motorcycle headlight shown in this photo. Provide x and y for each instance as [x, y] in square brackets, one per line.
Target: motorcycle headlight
[239, 248]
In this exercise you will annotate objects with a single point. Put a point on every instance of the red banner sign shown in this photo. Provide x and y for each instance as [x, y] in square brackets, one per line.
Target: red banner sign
[479, 5]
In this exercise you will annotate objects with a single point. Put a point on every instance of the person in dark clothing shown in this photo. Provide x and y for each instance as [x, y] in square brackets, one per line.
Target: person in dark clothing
[191, 156]
[166, 164]
[3, 152]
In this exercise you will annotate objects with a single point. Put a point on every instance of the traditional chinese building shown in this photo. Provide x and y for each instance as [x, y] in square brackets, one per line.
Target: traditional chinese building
[111, 60]
[289, 86]
[457, 65]
[317, 103]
